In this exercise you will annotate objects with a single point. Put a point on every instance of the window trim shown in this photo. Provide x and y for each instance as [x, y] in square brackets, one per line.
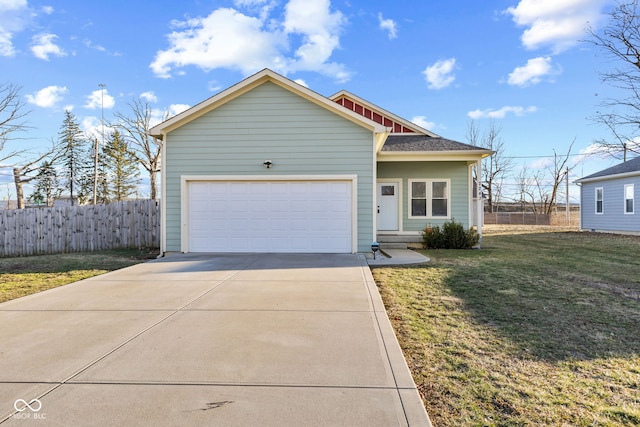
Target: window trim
[429, 196]
[624, 198]
[601, 200]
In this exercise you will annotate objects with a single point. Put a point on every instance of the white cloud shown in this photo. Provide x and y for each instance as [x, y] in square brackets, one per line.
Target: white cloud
[262, 7]
[301, 82]
[540, 163]
[559, 24]
[604, 152]
[98, 99]
[320, 30]
[6, 45]
[92, 127]
[440, 74]
[149, 96]
[48, 96]
[389, 25]
[175, 109]
[423, 122]
[249, 3]
[213, 86]
[158, 115]
[228, 38]
[43, 46]
[224, 39]
[532, 72]
[14, 17]
[501, 113]
[88, 43]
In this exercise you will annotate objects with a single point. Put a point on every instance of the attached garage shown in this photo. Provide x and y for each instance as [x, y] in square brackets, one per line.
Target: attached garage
[285, 215]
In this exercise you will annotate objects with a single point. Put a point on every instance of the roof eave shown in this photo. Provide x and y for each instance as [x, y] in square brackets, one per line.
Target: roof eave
[442, 156]
[608, 177]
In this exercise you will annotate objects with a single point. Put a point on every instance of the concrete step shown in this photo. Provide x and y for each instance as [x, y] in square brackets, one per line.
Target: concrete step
[399, 238]
[393, 245]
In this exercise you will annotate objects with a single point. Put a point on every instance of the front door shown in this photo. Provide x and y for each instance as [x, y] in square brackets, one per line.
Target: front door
[388, 206]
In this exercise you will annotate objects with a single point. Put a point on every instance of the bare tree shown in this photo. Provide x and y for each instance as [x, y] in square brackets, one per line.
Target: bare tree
[620, 42]
[494, 167]
[538, 189]
[135, 128]
[558, 171]
[12, 117]
[528, 183]
[27, 172]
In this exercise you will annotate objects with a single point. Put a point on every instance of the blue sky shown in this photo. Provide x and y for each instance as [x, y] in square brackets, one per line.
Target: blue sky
[440, 63]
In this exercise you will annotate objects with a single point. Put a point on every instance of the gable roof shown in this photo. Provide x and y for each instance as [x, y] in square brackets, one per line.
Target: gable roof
[343, 95]
[417, 144]
[622, 170]
[252, 82]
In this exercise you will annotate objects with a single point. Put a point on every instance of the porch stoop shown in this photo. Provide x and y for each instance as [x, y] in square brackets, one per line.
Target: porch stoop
[396, 241]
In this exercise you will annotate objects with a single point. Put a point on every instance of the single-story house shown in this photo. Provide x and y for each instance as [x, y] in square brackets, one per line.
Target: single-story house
[607, 199]
[269, 165]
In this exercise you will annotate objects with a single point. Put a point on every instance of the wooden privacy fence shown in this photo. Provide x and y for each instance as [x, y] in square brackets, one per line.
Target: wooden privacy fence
[37, 231]
[517, 218]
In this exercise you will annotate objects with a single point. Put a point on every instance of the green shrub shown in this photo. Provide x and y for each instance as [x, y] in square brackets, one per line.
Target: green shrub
[451, 235]
[432, 237]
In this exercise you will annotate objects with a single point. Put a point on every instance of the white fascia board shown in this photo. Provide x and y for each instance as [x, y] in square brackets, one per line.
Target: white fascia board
[442, 156]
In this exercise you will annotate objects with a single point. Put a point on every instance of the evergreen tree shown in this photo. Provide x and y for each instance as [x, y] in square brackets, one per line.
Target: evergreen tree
[122, 167]
[75, 159]
[47, 185]
[103, 190]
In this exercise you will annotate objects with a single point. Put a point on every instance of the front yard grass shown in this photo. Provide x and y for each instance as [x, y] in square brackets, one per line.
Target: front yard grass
[22, 276]
[534, 329]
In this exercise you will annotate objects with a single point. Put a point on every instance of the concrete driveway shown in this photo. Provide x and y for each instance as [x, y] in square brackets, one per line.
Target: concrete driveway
[203, 339]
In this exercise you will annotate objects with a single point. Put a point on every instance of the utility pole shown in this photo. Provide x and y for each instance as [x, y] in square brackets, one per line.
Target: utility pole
[95, 151]
[567, 206]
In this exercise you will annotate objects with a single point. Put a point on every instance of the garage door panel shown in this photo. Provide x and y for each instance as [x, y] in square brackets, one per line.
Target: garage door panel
[296, 216]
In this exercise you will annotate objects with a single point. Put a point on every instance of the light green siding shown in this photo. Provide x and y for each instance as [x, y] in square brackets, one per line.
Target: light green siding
[269, 122]
[457, 172]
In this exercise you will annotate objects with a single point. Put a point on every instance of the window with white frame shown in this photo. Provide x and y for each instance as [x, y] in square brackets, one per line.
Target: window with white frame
[429, 198]
[599, 200]
[628, 199]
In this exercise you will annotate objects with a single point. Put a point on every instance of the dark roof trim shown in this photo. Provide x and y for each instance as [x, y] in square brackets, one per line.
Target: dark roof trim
[628, 168]
[424, 143]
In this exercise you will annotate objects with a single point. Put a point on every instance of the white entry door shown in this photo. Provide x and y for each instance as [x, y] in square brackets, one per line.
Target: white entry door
[388, 206]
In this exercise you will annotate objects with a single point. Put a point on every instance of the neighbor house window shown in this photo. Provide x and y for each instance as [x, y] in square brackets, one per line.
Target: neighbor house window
[628, 199]
[599, 200]
[429, 198]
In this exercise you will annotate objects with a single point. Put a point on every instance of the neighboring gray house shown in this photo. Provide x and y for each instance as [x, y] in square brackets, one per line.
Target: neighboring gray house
[268, 165]
[607, 199]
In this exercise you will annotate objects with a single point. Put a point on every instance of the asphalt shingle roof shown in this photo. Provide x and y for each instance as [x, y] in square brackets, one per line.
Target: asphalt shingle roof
[425, 143]
[632, 165]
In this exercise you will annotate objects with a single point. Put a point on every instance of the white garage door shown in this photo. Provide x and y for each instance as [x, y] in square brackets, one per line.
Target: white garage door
[280, 216]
